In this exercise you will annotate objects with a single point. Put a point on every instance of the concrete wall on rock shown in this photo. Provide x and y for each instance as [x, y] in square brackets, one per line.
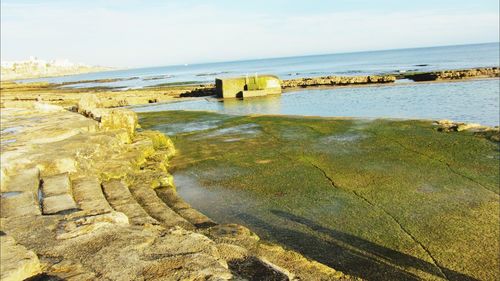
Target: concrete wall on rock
[240, 87]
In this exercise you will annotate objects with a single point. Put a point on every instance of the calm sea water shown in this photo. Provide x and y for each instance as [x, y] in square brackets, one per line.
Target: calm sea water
[474, 101]
[362, 63]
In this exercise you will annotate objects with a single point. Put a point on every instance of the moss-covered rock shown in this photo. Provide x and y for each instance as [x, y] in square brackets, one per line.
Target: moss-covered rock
[377, 199]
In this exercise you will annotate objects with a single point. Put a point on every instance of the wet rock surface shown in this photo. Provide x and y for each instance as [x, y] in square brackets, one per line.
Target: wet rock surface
[337, 81]
[95, 201]
[491, 133]
[31, 94]
[454, 74]
[377, 199]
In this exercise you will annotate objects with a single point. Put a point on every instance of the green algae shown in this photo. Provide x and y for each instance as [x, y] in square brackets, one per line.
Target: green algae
[378, 199]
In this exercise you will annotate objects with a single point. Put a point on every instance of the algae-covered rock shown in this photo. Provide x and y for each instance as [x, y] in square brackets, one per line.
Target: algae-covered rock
[298, 265]
[110, 119]
[87, 103]
[469, 126]
[337, 81]
[115, 119]
[233, 234]
[491, 133]
[110, 210]
[167, 181]
[159, 139]
[120, 119]
[454, 74]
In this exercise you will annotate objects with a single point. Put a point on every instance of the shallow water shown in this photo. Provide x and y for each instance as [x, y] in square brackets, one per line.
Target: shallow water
[345, 192]
[469, 101]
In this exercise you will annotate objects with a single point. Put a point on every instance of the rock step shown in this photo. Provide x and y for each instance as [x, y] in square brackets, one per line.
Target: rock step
[57, 195]
[88, 194]
[254, 268]
[157, 209]
[25, 180]
[170, 197]
[16, 204]
[17, 262]
[19, 195]
[119, 197]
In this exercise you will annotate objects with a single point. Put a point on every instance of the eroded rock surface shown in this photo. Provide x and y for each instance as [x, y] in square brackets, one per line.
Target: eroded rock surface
[337, 81]
[17, 263]
[86, 198]
[454, 74]
[491, 133]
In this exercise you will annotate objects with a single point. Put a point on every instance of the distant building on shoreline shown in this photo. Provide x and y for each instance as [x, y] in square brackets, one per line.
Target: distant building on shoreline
[35, 68]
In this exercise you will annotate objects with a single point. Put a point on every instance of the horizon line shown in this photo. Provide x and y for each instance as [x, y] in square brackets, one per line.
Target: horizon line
[305, 55]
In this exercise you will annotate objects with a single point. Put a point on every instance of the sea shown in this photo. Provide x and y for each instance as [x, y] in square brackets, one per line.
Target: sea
[472, 101]
[344, 64]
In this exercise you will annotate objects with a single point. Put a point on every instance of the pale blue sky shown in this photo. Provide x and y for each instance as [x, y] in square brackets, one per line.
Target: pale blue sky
[132, 33]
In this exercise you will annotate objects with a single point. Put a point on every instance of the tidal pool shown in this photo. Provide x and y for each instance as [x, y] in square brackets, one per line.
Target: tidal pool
[475, 101]
[378, 199]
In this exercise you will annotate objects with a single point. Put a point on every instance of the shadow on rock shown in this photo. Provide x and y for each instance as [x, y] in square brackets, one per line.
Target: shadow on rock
[350, 254]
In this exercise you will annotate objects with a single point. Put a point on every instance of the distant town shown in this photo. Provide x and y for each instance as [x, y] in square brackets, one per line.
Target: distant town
[35, 68]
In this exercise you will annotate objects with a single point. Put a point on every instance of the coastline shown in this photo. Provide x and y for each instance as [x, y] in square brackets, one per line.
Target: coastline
[397, 83]
[15, 77]
[304, 182]
[116, 183]
[124, 160]
[17, 94]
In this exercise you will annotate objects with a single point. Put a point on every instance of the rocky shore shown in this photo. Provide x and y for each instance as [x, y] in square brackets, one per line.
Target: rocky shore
[87, 195]
[475, 73]
[337, 81]
[26, 95]
[19, 94]
[453, 74]
[491, 133]
[395, 199]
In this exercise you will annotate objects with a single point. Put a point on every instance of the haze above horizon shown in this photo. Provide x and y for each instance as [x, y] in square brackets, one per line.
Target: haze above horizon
[131, 33]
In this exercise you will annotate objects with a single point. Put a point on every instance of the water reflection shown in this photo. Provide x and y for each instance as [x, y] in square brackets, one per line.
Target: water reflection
[266, 104]
[471, 101]
[346, 252]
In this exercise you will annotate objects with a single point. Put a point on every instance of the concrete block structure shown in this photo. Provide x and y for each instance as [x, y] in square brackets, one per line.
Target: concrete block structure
[244, 87]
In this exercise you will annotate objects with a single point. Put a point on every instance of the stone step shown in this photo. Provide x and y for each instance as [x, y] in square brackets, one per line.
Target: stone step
[170, 197]
[157, 209]
[56, 185]
[88, 194]
[16, 204]
[57, 194]
[25, 180]
[120, 198]
[254, 268]
[17, 262]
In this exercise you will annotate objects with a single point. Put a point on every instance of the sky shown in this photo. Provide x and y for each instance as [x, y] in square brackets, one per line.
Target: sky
[134, 33]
